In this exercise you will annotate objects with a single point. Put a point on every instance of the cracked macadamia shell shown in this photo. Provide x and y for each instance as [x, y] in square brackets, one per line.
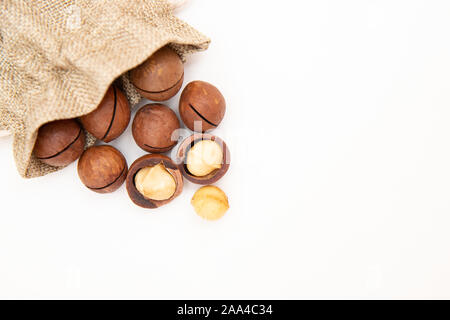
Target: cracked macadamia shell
[102, 169]
[160, 77]
[202, 106]
[155, 167]
[210, 202]
[110, 119]
[60, 142]
[204, 157]
[153, 126]
[155, 183]
[205, 163]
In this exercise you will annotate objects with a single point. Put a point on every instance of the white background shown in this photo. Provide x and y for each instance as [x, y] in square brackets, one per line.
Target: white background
[338, 121]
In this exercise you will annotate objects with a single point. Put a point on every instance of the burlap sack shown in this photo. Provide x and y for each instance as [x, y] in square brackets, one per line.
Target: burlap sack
[57, 59]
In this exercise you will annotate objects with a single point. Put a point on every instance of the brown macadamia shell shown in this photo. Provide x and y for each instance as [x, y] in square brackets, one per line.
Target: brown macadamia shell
[160, 77]
[110, 119]
[203, 103]
[151, 160]
[153, 126]
[102, 169]
[183, 150]
[60, 142]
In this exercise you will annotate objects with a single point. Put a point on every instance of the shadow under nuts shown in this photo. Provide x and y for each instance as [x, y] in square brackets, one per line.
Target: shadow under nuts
[59, 143]
[155, 128]
[111, 117]
[160, 77]
[202, 106]
[102, 169]
[203, 158]
[154, 180]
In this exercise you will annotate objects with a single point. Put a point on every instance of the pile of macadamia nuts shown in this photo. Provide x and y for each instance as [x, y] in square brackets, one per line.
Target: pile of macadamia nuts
[154, 179]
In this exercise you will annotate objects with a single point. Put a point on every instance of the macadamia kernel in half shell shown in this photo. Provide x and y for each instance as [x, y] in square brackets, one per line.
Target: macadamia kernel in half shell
[198, 158]
[155, 182]
[204, 157]
[210, 202]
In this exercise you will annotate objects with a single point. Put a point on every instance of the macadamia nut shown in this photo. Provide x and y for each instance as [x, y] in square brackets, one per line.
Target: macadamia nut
[110, 119]
[155, 128]
[202, 106]
[210, 202]
[102, 169]
[60, 142]
[155, 182]
[159, 77]
[204, 157]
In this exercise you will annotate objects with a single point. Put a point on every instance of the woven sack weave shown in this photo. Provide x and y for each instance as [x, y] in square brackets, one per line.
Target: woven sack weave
[58, 58]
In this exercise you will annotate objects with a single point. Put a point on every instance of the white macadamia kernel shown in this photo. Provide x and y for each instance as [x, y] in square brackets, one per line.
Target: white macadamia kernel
[204, 157]
[155, 182]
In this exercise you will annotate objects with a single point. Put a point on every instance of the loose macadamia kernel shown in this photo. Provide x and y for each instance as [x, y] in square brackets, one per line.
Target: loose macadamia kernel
[210, 202]
[204, 157]
[60, 142]
[155, 128]
[202, 106]
[160, 77]
[155, 182]
[110, 119]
